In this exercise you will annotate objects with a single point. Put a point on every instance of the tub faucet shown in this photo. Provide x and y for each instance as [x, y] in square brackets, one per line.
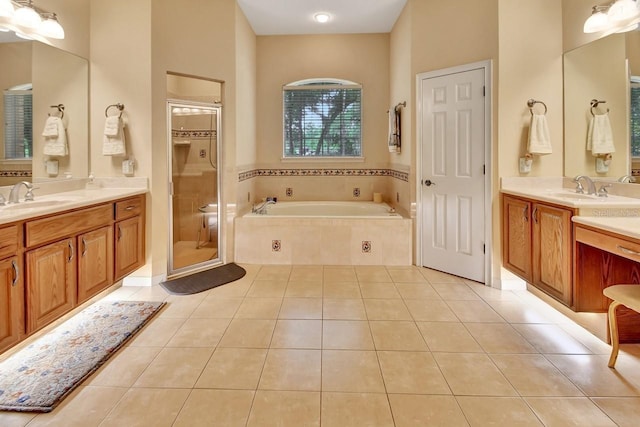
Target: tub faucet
[627, 178]
[591, 187]
[14, 195]
[262, 209]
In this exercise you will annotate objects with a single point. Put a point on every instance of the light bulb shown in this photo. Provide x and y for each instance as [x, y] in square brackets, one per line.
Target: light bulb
[27, 17]
[622, 9]
[598, 21]
[6, 8]
[322, 17]
[51, 28]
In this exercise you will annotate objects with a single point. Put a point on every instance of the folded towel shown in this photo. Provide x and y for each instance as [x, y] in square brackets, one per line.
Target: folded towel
[539, 139]
[600, 135]
[114, 145]
[55, 143]
[51, 126]
[112, 125]
[394, 130]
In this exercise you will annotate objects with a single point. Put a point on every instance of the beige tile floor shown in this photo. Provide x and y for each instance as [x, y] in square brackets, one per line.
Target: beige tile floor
[353, 346]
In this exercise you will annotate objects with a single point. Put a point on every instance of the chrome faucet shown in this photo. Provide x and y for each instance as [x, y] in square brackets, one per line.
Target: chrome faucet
[591, 187]
[14, 195]
[627, 178]
[262, 209]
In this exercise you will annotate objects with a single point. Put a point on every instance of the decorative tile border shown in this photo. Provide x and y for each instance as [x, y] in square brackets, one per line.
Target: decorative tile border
[403, 176]
[15, 173]
[193, 133]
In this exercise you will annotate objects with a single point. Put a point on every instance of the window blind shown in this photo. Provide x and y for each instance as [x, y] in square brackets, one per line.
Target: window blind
[18, 124]
[635, 122]
[322, 120]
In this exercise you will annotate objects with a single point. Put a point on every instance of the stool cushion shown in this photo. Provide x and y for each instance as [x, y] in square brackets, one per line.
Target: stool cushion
[628, 295]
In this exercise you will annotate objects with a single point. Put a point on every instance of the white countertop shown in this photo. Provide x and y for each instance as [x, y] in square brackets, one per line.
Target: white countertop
[52, 202]
[627, 226]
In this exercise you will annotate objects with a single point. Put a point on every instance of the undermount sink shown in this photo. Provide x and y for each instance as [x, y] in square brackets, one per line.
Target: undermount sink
[575, 196]
[33, 205]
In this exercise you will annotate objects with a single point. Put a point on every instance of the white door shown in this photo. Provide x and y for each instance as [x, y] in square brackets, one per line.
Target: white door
[453, 181]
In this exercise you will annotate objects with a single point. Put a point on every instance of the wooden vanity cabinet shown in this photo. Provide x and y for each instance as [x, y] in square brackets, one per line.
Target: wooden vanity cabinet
[129, 235]
[12, 327]
[537, 245]
[51, 280]
[95, 262]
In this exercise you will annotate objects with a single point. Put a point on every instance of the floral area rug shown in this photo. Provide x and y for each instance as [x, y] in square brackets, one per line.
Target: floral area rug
[39, 376]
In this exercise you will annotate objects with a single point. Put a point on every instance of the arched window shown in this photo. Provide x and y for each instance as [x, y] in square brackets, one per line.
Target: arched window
[322, 118]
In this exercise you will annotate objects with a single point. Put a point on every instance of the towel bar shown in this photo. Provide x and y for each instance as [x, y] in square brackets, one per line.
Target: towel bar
[531, 102]
[119, 106]
[594, 104]
[60, 108]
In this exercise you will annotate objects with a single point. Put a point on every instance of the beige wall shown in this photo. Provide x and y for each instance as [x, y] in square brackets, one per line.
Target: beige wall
[574, 13]
[587, 79]
[362, 58]
[530, 67]
[74, 16]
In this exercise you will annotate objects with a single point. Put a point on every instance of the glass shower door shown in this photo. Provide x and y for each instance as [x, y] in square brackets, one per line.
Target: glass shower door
[194, 187]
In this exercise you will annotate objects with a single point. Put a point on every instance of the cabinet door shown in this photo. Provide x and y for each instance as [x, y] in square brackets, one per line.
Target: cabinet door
[552, 251]
[516, 236]
[95, 262]
[50, 283]
[129, 246]
[11, 302]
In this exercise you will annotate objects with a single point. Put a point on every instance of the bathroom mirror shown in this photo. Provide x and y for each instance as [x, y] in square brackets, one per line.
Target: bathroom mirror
[56, 78]
[585, 78]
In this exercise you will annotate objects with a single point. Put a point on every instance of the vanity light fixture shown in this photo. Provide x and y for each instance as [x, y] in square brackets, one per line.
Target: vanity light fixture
[619, 16]
[29, 21]
[322, 17]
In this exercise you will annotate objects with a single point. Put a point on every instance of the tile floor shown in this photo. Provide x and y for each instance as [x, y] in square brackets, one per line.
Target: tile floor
[353, 346]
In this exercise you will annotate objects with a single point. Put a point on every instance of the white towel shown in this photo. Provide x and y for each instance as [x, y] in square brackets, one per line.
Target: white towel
[113, 145]
[112, 126]
[51, 126]
[539, 139]
[55, 142]
[600, 135]
[394, 130]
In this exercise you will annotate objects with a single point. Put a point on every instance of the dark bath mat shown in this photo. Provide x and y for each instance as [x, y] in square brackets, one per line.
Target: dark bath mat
[204, 280]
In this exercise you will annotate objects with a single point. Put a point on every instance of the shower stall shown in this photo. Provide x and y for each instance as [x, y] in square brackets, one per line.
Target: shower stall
[194, 151]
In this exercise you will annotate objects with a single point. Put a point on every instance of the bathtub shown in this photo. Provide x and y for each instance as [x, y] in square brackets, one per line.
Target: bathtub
[324, 233]
[330, 209]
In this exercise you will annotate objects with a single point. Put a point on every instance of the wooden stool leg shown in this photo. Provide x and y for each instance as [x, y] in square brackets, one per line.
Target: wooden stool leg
[613, 329]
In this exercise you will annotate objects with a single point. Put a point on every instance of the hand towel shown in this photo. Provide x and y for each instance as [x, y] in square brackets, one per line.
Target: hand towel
[112, 126]
[394, 130]
[113, 145]
[539, 139]
[55, 143]
[51, 126]
[600, 135]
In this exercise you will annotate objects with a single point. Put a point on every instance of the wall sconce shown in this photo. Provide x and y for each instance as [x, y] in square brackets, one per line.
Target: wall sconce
[619, 16]
[29, 21]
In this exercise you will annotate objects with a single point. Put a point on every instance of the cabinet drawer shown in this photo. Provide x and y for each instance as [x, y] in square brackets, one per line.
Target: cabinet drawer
[611, 244]
[61, 226]
[8, 241]
[128, 208]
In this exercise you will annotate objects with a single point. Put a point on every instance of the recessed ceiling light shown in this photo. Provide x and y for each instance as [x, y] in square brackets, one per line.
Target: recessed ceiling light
[322, 17]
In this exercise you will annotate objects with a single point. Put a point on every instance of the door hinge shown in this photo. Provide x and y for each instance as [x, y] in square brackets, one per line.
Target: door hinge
[484, 169]
[484, 91]
[484, 248]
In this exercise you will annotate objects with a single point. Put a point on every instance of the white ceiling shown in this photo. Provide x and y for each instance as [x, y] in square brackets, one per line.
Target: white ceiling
[279, 17]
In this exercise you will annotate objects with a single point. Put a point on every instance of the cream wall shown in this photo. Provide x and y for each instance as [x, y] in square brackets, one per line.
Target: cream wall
[530, 67]
[74, 16]
[587, 79]
[362, 58]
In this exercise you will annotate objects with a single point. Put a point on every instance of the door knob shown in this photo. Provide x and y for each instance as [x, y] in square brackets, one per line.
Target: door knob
[429, 183]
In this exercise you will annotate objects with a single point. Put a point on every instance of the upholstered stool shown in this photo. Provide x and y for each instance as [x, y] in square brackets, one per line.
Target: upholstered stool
[627, 295]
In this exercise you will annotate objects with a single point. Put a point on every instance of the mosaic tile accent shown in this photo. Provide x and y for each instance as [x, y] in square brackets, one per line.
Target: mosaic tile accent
[15, 173]
[403, 176]
[193, 133]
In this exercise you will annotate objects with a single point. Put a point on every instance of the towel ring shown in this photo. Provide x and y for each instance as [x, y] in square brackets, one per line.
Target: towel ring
[531, 102]
[60, 108]
[119, 106]
[594, 104]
